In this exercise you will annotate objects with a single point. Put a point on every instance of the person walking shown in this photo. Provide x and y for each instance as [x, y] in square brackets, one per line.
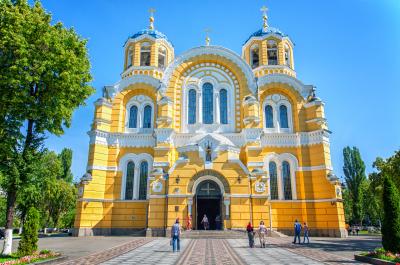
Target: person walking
[261, 233]
[205, 222]
[250, 234]
[189, 222]
[297, 231]
[218, 222]
[305, 228]
[175, 236]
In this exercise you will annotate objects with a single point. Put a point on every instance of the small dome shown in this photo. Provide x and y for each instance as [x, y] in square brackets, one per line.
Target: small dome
[269, 30]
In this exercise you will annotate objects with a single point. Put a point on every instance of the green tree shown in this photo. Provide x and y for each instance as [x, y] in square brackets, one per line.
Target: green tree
[354, 171]
[391, 221]
[29, 238]
[388, 168]
[45, 75]
[66, 160]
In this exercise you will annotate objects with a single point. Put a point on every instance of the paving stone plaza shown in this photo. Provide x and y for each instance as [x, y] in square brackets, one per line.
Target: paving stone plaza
[140, 250]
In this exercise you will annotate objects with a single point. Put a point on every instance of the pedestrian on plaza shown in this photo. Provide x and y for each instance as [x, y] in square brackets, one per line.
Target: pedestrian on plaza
[297, 231]
[306, 230]
[189, 223]
[262, 230]
[218, 222]
[205, 222]
[175, 236]
[250, 234]
[357, 229]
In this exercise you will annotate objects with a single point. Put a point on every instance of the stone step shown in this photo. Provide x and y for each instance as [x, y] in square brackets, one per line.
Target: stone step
[219, 234]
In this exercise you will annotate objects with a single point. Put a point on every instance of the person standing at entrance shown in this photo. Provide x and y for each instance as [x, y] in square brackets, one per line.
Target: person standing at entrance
[205, 222]
[218, 222]
[189, 223]
[305, 227]
[297, 231]
[175, 236]
[250, 234]
[261, 233]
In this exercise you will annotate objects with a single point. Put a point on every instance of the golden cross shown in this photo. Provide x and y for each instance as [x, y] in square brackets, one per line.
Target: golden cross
[152, 11]
[264, 10]
[207, 31]
[151, 19]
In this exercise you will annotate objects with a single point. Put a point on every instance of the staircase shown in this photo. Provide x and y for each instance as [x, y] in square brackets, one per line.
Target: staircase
[221, 234]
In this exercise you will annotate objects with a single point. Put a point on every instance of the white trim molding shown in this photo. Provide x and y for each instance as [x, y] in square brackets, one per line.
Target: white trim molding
[304, 90]
[120, 86]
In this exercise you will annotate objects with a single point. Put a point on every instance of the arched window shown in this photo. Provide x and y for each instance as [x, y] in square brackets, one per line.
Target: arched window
[129, 58]
[269, 117]
[133, 113]
[192, 107]
[208, 108]
[273, 179]
[130, 175]
[272, 51]
[223, 106]
[143, 180]
[283, 117]
[162, 55]
[254, 56]
[287, 55]
[145, 54]
[147, 117]
[287, 186]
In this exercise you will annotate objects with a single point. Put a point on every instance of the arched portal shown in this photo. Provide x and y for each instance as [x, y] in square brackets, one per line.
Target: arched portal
[208, 202]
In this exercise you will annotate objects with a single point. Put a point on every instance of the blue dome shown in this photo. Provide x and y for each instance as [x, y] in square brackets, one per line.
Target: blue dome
[270, 30]
[151, 32]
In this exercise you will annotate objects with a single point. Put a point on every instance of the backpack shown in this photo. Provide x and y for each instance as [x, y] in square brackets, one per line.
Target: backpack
[297, 227]
[175, 229]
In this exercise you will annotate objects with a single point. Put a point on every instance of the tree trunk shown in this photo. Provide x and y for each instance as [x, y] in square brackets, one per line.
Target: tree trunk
[11, 198]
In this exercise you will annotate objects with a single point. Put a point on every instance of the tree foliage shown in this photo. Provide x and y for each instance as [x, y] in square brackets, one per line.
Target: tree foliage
[354, 171]
[391, 221]
[44, 76]
[29, 239]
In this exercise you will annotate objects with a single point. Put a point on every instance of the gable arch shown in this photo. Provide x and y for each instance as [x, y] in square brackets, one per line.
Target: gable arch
[291, 82]
[209, 50]
[202, 175]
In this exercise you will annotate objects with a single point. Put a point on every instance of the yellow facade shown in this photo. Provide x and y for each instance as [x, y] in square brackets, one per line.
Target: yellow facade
[213, 132]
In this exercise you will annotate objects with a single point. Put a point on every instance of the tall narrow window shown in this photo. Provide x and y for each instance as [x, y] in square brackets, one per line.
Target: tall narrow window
[287, 55]
[143, 180]
[272, 51]
[145, 54]
[254, 56]
[223, 106]
[269, 117]
[133, 111]
[129, 58]
[192, 106]
[273, 179]
[283, 117]
[147, 117]
[162, 55]
[130, 175]
[287, 186]
[208, 108]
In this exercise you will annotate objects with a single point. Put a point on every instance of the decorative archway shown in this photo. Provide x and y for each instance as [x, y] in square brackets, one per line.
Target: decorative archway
[210, 175]
[208, 201]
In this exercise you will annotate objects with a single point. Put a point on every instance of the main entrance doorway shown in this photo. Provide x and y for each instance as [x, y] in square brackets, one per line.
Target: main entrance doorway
[208, 202]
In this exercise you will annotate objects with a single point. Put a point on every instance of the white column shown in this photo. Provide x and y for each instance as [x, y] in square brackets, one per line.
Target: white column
[190, 203]
[276, 118]
[217, 107]
[293, 182]
[199, 108]
[227, 202]
[136, 182]
[280, 184]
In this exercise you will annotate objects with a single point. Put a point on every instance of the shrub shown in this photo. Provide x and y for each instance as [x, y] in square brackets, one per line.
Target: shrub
[391, 220]
[29, 238]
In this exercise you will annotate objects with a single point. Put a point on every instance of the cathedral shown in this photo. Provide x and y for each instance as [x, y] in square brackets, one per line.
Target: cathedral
[236, 137]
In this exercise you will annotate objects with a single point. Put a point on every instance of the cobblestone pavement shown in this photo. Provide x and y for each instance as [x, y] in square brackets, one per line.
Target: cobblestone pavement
[155, 252]
[209, 251]
[105, 255]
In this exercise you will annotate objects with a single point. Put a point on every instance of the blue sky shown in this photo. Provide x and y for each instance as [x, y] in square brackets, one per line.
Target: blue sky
[348, 49]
